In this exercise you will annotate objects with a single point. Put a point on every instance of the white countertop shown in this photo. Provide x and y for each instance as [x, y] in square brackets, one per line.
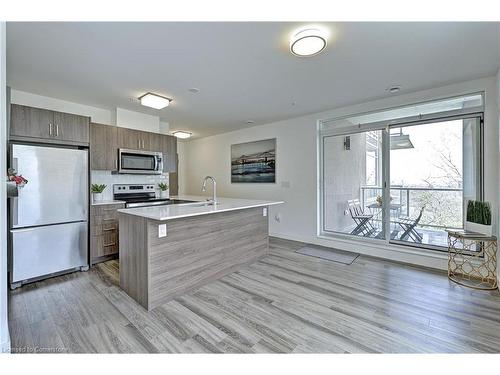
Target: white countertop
[177, 211]
[106, 202]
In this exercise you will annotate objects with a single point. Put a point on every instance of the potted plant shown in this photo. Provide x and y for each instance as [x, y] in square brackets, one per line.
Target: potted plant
[163, 190]
[96, 190]
[479, 217]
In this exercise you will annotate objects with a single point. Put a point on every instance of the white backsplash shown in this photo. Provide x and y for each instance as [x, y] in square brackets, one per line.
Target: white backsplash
[107, 178]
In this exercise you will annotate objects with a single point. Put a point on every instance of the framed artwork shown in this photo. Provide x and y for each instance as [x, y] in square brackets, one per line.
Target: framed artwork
[254, 162]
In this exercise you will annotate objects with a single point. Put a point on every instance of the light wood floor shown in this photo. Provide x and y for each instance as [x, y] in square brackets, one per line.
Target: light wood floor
[286, 302]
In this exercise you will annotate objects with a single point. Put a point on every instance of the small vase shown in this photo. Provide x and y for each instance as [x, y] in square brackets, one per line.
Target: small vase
[163, 194]
[96, 197]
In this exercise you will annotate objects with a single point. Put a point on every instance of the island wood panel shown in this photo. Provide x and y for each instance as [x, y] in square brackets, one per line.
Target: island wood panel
[196, 251]
[134, 272]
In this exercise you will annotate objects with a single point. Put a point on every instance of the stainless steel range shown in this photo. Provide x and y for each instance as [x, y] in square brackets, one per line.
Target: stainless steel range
[136, 195]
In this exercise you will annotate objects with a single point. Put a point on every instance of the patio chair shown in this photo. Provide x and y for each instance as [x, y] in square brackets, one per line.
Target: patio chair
[362, 220]
[408, 225]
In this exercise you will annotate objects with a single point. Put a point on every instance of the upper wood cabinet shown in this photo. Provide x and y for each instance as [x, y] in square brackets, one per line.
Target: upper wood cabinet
[151, 141]
[138, 140]
[105, 140]
[28, 123]
[103, 147]
[168, 146]
[71, 127]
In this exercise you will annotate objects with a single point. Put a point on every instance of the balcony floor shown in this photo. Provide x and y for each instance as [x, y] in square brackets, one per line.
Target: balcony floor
[431, 236]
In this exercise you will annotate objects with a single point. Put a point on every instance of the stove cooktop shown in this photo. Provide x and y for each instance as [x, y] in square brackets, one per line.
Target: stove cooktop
[141, 195]
[138, 202]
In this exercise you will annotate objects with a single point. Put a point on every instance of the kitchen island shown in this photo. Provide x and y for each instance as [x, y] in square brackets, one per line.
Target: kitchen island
[166, 251]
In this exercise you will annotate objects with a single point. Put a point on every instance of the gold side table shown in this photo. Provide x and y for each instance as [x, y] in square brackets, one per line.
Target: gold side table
[472, 259]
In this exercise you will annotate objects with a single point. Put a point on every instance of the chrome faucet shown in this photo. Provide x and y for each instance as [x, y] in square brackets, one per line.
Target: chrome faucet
[204, 187]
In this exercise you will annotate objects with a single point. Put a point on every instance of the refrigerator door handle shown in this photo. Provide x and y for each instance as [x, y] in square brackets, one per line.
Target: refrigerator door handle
[14, 208]
[13, 201]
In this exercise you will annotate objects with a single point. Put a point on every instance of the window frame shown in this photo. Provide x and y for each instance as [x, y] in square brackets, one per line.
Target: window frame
[385, 126]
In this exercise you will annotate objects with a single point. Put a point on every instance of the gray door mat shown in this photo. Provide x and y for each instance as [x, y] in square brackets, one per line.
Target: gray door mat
[327, 253]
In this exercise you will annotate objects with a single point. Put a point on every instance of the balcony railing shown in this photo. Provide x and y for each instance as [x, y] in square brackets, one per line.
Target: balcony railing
[443, 206]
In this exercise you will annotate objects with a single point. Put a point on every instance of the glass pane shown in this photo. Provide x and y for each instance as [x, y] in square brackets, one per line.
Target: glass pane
[138, 162]
[352, 184]
[432, 166]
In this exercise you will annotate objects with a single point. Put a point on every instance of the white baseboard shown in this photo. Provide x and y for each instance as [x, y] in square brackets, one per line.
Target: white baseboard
[404, 254]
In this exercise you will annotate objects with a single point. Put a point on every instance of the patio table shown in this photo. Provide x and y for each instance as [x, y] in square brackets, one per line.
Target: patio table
[392, 206]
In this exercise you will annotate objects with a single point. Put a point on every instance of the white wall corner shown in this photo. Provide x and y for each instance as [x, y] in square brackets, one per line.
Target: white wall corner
[136, 120]
[297, 161]
[164, 127]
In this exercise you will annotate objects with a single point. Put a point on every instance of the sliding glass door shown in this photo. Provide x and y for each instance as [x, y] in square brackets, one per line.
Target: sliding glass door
[352, 184]
[434, 170]
[402, 179]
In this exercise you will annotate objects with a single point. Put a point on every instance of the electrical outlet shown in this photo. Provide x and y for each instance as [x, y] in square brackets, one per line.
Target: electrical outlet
[264, 211]
[162, 230]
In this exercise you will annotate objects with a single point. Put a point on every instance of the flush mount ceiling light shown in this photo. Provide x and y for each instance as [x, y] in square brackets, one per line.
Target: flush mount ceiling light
[308, 41]
[181, 134]
[154, 101]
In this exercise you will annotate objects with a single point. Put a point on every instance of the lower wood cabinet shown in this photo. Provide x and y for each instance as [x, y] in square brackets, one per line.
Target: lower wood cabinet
[104, 231]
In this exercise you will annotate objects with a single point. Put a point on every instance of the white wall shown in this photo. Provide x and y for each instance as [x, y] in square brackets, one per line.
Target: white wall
[182, 165]
[297, 164]
[136, 120]
[4, 328]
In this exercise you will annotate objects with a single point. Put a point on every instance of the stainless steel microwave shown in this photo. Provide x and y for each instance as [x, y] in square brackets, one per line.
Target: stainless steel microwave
[139, 162]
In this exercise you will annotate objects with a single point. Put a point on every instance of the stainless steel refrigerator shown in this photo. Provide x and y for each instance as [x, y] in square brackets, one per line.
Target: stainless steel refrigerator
[48, 218]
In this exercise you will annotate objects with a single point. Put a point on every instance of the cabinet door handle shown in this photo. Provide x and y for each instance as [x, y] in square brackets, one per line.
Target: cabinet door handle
[111, 244]
[57, 130]
[109, 229]
[109, 219]
[50, 129]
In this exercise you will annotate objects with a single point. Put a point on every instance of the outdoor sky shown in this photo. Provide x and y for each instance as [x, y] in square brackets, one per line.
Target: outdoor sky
[410, 167]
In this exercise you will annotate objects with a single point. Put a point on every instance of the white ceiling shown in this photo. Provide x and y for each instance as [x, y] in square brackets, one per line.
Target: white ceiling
[244, 70]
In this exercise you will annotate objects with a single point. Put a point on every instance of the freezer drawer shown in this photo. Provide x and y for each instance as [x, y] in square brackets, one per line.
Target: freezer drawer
[44, 250]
